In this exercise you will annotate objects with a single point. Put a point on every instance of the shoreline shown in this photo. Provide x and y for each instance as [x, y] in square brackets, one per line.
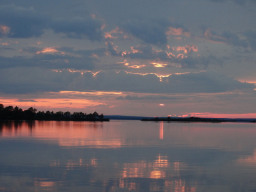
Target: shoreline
[200, 119]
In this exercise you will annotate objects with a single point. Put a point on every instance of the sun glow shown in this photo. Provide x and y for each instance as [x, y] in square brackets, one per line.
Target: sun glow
[177, 32]
[52, 102]
[157, 75]
[50, 50]
[159, 65]
[97, 93]
[135, 66]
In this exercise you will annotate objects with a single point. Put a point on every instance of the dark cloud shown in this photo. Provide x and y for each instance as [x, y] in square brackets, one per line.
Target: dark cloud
[190, 59]
[78, 28]
[234, 39]
[24, 80]
[48, 61]
[202, 61]
[23, 22]
[251, 39]
[245, 40]
[240, 2]
[27, 22]
[152, 32]
[151, 97]
[26, 100]
[63, 58]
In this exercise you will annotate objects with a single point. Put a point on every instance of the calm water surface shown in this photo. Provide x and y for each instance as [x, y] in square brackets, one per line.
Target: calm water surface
[119, 156]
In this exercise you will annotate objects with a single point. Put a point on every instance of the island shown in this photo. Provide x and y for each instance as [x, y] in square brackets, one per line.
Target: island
[16, 113]
[199, 119]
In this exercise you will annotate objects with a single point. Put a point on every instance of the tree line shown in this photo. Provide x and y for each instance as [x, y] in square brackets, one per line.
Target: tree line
[16, 113]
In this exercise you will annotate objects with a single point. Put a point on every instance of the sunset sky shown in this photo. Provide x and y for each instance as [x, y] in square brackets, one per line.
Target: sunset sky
[143, 57]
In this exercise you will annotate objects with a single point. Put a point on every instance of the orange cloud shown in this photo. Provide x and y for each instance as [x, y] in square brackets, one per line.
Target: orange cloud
[4, 29]
[181, 56]
[52, 103]
[113, 33]
[50, 50]
[186, 49]
[177, 32]
[159, 65]
[82, 72]
[133, 50]
[136, 66]
[156, 74]
[97, 93]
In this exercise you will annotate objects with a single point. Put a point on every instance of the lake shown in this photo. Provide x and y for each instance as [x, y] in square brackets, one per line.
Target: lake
[120, 156]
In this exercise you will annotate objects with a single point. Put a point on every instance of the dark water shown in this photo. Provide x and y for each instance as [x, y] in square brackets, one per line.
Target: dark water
[121, 156]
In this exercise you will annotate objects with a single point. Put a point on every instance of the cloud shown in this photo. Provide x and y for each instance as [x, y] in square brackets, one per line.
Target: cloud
[151, 32]
[54, 58]
[240, 2]
[184, 56]
[246, 39]
[48, 61]
[251, 38]
[22, 80]
[78, 28]
[20, 22]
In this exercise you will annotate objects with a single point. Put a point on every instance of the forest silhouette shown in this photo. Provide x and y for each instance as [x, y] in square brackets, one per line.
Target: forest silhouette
[16, 113]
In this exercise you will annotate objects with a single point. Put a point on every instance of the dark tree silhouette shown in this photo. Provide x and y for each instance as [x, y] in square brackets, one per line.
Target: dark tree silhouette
[16, 113]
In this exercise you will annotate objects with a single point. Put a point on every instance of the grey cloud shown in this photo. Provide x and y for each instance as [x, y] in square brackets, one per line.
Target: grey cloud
[27, 22]
[152, 32]
[66, 58]
[146, 52]
[24, 80]
[234, 39]
[240, 40]
[201, 62]
[251, 38]
[28, 80]
[151, 97]
[240, 2]
[26, 100]
[78, 28]
[48, 61]
[23, 22]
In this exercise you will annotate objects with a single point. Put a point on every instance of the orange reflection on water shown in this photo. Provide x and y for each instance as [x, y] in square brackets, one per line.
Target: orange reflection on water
[249, 160]
[161, 130]
[65, 134]
[95, 143]
[157, 174]
[159, 169]
[143, 169]
[161, 161]
[44, 183]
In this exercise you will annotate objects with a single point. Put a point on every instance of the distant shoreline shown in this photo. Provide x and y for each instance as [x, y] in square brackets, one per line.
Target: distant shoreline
[199, 119]
[181, 119]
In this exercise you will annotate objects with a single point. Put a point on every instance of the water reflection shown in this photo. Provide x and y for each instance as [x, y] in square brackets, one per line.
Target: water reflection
[161, 131]
[127, 156]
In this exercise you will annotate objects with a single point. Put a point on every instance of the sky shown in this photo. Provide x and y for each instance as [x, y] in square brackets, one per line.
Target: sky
[143, 57]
